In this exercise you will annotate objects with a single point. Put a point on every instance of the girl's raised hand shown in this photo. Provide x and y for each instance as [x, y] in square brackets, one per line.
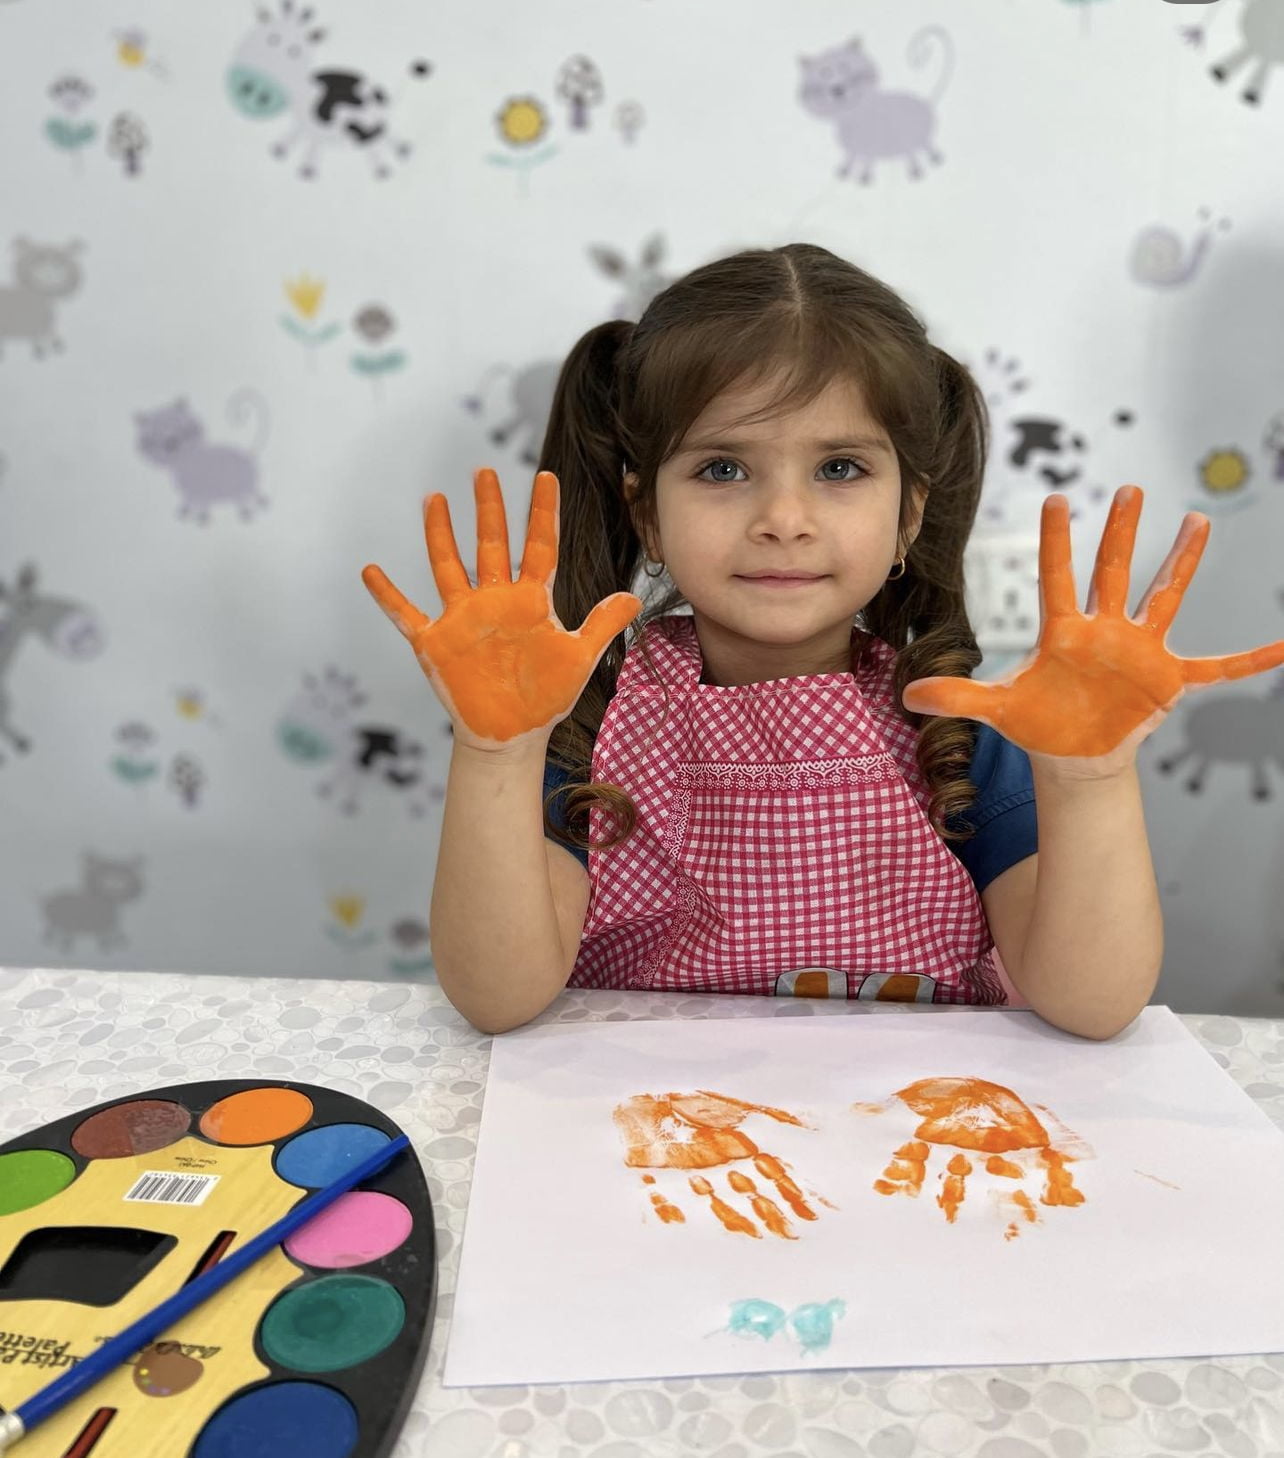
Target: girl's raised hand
[1097, 682]
[503, 666]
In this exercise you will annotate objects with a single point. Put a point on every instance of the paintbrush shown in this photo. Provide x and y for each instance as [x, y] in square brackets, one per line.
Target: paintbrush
[160, 1318]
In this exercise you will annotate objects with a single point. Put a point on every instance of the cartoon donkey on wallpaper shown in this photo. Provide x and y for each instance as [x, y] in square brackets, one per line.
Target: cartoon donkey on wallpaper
[272, 72]
[69, 628]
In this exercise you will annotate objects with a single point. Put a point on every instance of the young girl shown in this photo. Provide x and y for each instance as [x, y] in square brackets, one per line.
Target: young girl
[793, 787]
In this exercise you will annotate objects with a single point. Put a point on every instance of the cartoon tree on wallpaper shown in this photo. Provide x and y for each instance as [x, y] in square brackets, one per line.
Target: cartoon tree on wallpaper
[701, 1131]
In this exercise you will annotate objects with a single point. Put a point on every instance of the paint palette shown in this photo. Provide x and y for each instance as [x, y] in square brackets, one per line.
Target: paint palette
[315, 1349]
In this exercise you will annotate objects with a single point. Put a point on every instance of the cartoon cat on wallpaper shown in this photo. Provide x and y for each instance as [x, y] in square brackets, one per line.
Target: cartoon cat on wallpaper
[43, 274]
[842, 86]
[206, 475]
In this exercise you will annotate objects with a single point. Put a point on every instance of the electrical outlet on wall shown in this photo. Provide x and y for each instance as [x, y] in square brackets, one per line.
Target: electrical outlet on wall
[1001, 574]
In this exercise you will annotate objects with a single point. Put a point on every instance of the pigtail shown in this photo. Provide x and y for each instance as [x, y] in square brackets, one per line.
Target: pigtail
[599, 553]
[924, 614]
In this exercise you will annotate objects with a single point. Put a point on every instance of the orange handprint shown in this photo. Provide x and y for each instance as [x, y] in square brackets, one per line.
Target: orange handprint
[1098, 682]
[499, 660]
[986, 1118]
[701, 1131]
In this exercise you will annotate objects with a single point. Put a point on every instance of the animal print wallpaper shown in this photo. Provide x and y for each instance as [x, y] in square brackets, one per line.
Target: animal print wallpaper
[270, 270]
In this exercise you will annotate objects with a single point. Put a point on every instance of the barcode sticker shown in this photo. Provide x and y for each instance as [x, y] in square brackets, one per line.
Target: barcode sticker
[161, 1187]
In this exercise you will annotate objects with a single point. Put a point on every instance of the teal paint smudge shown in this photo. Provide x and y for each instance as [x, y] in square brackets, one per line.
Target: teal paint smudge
[813, 1323]
[757, 1318]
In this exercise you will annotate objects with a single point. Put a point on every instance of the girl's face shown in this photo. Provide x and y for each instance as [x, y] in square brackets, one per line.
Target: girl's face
[817, 491]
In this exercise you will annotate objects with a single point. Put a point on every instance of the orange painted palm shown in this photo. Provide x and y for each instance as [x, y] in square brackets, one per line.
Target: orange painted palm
[1098, 682]
[503, 666]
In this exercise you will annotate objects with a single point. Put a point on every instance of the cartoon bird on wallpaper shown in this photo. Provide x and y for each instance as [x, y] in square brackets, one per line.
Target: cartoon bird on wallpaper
[272, 74]
[972, 1116]
[131, 52]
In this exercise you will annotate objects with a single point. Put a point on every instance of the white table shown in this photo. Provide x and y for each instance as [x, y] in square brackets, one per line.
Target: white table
[68, 1039]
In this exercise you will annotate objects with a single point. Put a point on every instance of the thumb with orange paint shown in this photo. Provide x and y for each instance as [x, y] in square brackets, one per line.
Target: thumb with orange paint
[505, 669]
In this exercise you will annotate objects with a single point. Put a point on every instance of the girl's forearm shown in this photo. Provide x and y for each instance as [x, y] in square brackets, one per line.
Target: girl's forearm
[1095, 942]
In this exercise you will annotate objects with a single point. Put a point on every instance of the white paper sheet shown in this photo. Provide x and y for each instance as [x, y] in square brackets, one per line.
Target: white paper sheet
[568, 1273]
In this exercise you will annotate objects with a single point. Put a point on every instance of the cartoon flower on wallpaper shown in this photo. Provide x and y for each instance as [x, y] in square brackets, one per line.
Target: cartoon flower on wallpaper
[522, 124]
[305, 297]
[374, 324]
[134, 760]
[347, 909]
[137, 761]
[1224, 473]
[66, 129]
[579, 84]
[410, 938]
[127, 140]
[629, 117]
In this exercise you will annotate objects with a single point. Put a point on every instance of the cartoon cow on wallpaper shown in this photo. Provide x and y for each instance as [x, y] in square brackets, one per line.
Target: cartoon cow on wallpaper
[272, 72]
[320, 726]
[69, 628]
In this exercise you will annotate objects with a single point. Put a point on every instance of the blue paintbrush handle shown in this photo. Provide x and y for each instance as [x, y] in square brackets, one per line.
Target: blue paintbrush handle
[148, 1327]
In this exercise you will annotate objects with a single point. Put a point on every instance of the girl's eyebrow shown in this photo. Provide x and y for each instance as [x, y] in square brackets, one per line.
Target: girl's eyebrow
[743, 447]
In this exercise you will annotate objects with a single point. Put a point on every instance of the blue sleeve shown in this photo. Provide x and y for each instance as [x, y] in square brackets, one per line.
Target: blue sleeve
[554, 776]
[1002, 814]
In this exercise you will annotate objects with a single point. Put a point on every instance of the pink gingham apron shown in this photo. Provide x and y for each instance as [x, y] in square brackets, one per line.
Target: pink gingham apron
[782, 843]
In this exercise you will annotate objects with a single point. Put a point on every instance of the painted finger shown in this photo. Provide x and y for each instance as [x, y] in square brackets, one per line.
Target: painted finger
[954, 1186]
[771, 1215]
[611, 616]
[1108, 591]
[1163, 597]
[773, 1169]
[960, 698]
[730, 1217]
[543, 530]
[404, 614]
[443, 552]
[494, 564]
[1235, 665]
[1056, 573]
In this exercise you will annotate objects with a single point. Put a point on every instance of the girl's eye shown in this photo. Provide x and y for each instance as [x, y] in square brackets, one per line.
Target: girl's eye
[719, 467]
[844, 461]
[722, 470]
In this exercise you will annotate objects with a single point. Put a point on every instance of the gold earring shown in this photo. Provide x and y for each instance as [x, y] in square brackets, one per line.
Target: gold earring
[896, 576]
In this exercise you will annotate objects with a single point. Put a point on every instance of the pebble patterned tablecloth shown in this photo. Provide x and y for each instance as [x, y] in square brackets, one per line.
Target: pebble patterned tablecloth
[72, 1038]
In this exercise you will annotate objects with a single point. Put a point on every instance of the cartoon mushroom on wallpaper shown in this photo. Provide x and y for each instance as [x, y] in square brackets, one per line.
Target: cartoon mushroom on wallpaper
[579, 84]
[127, 140]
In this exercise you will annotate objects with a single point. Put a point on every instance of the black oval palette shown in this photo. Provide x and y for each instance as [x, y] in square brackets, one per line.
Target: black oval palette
[317, 1348]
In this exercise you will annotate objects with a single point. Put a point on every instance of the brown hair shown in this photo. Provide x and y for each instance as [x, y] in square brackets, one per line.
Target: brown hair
[627, 395]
